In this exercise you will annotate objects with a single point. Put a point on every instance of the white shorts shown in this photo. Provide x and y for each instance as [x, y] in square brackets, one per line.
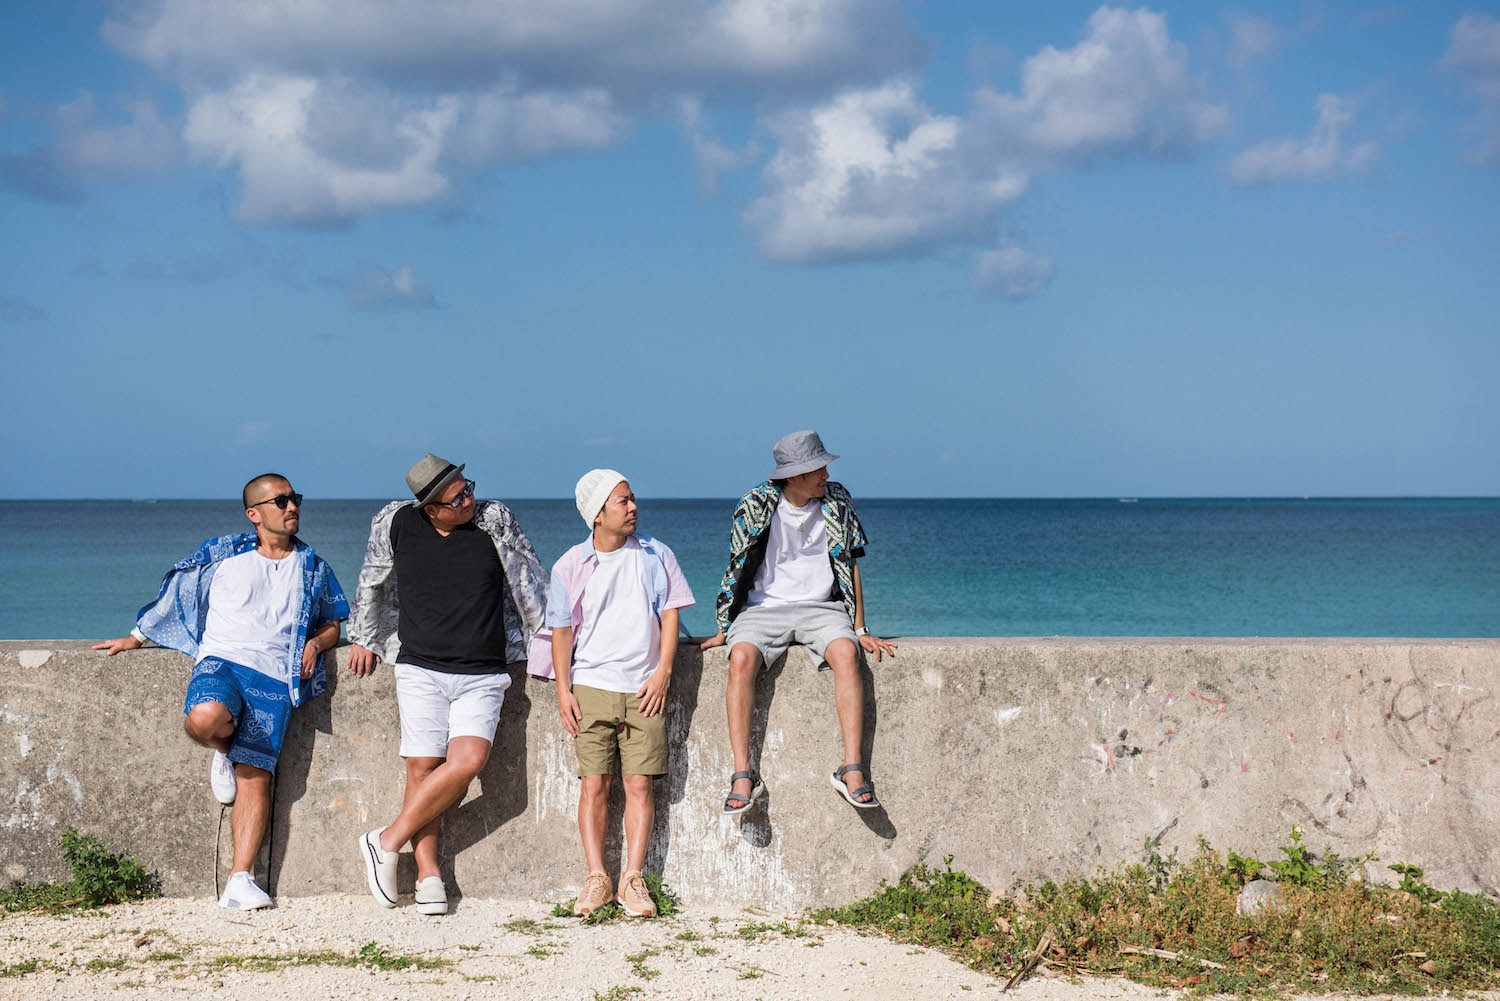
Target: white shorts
[436, 707]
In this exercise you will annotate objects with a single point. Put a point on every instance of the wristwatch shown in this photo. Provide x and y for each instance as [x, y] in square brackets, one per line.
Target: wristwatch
[862, 631]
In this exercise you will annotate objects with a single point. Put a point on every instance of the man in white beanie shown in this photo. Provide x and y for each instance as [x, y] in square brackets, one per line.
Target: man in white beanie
[613, 611]
[451, 592]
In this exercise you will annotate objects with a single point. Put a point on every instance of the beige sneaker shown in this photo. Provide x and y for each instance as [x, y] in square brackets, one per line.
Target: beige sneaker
[634, 896]
[595, 894]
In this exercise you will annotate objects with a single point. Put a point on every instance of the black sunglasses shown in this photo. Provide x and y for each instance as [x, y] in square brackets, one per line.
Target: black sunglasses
[281, 500]
[458, 502]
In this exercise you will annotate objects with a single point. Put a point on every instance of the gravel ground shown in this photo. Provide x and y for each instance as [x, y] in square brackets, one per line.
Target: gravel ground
[488, 948]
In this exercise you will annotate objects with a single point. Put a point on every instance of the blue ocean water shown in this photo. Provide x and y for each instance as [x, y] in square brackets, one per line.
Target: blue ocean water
[1179, 567]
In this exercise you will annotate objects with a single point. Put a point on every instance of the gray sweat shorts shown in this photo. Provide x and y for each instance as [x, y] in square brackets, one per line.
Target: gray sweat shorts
[772, 629]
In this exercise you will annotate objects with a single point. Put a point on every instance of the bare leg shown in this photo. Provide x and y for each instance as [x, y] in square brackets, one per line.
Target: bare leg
[849, 699]
[252, 811]
[443, 786]
[424, 842]
[639, 811]
[744, 661]
[209, 724]
[593, 815]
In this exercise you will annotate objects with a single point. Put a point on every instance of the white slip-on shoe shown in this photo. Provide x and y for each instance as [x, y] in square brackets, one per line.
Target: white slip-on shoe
[221, 778]
[432, 896]
[380, 868]
[241, 894]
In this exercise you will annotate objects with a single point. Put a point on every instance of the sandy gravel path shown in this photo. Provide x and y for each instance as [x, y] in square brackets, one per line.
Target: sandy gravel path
[488, 948]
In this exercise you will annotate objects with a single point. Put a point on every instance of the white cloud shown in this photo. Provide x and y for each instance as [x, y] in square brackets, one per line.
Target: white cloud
[876, 172]
[1124, 89]
[713, 157]
[1321, 156]
[144, 144]
[374, 287]
[82, 148]
[504, 124]
[637, 45]
[290, 173]
[1012, 272]
[1474, 54]
[314, 151]
[332, 109]
[1251, 38]
[870, 173]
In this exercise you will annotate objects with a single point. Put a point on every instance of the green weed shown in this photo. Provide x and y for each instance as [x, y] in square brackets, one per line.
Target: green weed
[100, 965]
[1412, 882]
[16, 969]
[618, 993]
[99, 877]
[1329, 935]
[638, 965]
[369, 954]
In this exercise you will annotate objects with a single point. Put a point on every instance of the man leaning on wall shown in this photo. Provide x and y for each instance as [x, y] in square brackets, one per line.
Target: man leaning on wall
[793, 578]
[257, 612]
[613, 615]
[451, 592]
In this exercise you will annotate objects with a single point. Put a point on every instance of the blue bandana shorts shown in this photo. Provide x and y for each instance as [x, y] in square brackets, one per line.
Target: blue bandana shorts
[260, 705]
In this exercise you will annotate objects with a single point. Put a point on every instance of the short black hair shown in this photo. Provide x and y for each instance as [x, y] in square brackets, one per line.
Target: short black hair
[779, 484]
[257, 481]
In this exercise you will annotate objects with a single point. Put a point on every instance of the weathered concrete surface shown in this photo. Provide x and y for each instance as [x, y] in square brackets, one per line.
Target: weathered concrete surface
[1018, 756]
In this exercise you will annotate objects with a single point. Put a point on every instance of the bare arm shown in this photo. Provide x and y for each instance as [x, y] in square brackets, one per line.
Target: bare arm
[872, 644]
[112, 647]
[562, 670]
[324, 639]
[653, 694]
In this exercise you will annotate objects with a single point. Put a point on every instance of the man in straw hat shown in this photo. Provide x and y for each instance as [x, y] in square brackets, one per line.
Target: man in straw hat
[450, 593]
[613, 615]
[257, 613]
[792, 578]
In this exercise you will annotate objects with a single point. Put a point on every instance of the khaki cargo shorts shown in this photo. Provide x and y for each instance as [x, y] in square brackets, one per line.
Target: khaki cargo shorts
[612, 723]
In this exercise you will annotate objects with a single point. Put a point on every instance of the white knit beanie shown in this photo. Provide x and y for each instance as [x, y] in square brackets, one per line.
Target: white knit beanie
[593, 490]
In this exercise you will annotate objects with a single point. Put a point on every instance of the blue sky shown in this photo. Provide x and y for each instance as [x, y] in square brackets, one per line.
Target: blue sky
[985, 249]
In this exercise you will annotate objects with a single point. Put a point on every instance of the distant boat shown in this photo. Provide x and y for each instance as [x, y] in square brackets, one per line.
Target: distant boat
[1128, 500]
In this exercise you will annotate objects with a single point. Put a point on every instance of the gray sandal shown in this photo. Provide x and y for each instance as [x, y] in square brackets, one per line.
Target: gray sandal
[757, 790]
[838, 783]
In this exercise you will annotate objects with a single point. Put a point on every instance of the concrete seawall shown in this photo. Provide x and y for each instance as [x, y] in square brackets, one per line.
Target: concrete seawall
[1020, 757]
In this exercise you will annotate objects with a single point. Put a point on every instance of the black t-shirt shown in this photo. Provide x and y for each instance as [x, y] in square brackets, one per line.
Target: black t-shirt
[452, 594]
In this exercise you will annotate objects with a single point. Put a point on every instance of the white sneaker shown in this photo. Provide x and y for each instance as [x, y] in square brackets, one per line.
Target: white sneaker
[241, 894]
[432, 896]
[221, 779]
[380, 868]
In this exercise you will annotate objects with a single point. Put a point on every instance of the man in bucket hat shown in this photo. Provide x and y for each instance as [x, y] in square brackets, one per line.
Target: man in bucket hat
[450, 593]
[792, 578]
[613, 615]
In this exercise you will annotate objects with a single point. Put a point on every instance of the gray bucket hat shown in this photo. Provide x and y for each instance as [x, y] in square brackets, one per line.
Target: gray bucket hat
[799, 452]
[428, 478]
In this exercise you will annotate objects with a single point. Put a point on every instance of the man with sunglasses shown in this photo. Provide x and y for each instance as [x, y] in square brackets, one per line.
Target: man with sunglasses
[450, 593]
[257, 612]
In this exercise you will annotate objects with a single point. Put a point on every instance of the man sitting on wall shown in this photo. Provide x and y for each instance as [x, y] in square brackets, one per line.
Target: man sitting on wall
[256, 612]
[451, 591]
[792, 578]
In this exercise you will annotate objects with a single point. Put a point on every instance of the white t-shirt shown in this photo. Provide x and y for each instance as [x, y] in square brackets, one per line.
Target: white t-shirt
[253, 603]
[619, 640]
[796, 566]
